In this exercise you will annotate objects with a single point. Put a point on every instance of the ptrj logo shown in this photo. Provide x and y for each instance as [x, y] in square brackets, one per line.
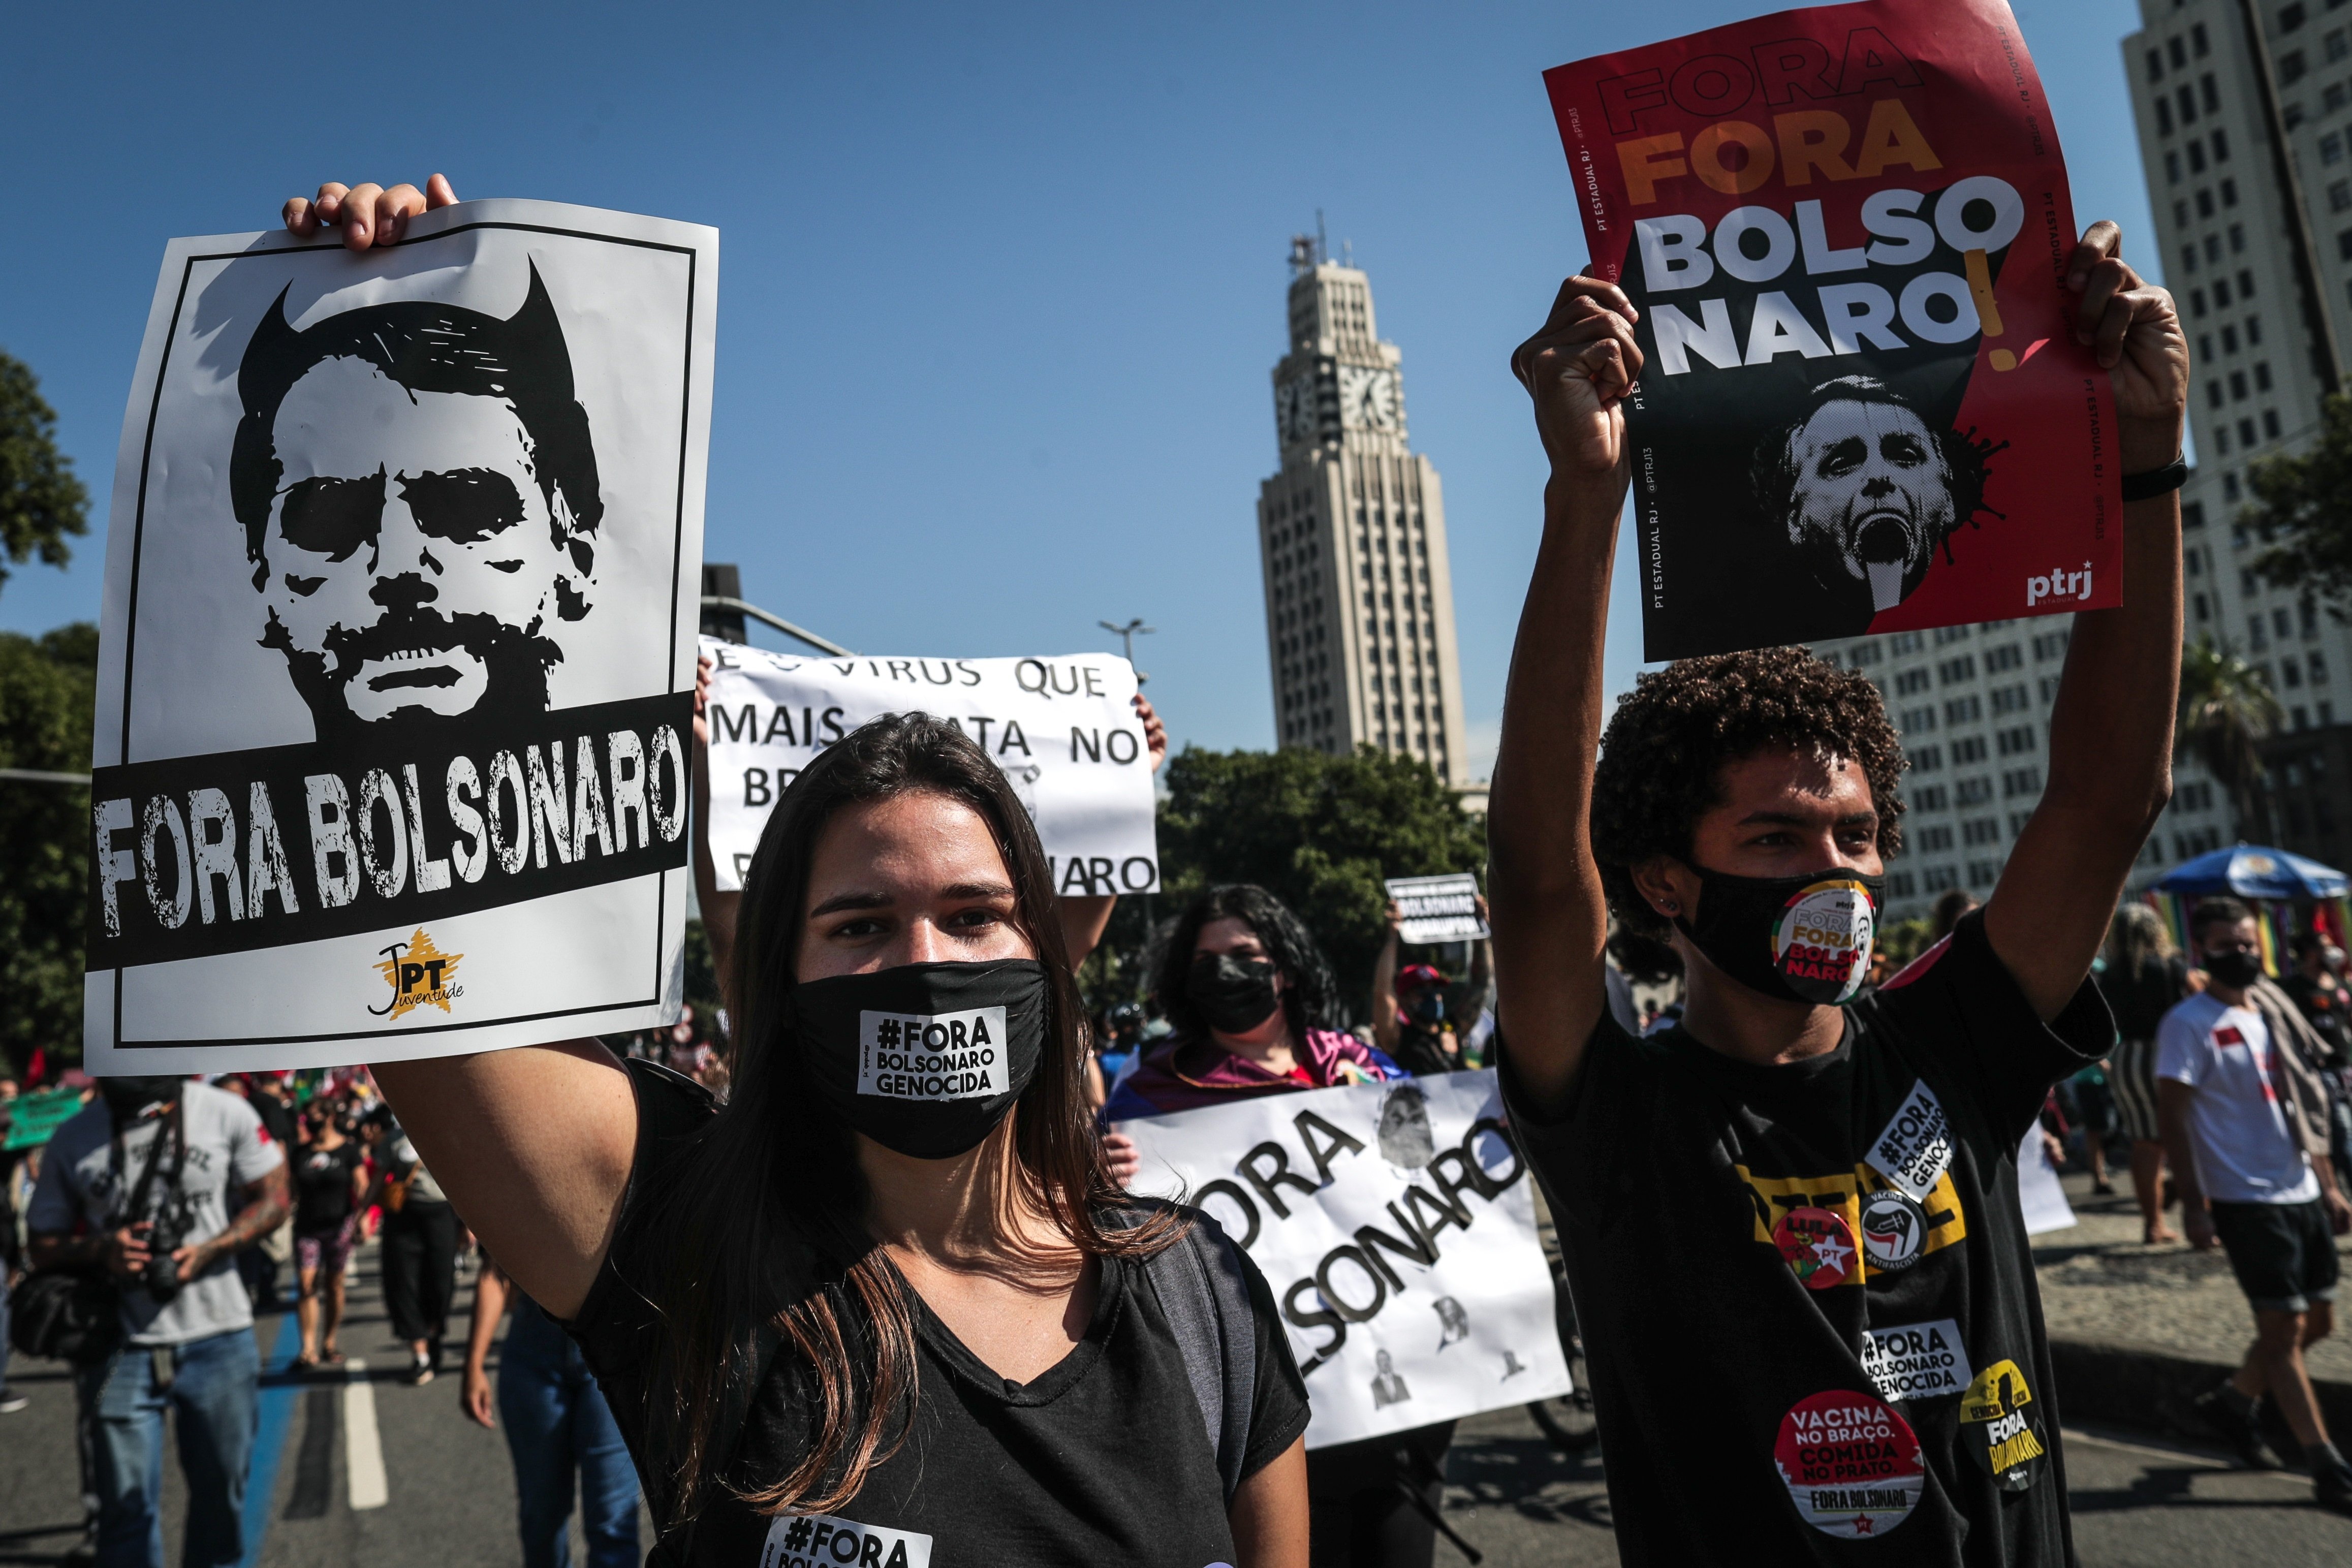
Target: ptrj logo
[420, 975]
[2058, 584]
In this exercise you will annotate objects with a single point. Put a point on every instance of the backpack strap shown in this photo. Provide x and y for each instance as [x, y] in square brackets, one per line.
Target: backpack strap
[1204, 1294]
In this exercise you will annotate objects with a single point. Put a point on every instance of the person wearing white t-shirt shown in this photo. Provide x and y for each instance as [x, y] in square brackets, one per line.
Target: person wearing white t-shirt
[158, 1183]
[2228, 1125]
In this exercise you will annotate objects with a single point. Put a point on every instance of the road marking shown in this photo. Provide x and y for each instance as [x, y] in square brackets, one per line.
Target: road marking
[362, 1444]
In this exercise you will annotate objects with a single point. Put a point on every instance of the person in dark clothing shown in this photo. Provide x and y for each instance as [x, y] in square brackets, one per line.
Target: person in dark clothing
[421, 1234]
[2141, 977]
[1792, 1223]
[330, 1179]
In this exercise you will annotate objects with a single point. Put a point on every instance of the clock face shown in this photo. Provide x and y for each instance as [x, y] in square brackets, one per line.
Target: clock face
[1294, 409]
[1367, 399]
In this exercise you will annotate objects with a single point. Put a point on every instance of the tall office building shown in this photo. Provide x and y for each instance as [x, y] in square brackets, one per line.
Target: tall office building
[2244, 110]
[1351, 532]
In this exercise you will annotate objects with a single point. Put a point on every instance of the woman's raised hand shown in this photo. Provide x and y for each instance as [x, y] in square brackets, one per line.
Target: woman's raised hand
[367, 213]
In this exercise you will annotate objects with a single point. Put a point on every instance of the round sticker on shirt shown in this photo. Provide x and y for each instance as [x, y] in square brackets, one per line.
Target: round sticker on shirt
[1851, 1464]
[2011, 1443]
[1894, 1229]
[1822, 942]
[1817, 1245]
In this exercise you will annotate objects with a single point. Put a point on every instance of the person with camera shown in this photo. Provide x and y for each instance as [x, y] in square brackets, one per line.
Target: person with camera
[153, 1188]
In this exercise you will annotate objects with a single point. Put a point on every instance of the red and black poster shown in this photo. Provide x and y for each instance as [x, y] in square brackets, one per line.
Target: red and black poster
[1862, 407]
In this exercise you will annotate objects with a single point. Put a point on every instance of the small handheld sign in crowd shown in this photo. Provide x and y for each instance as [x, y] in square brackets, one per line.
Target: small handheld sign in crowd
[1438, 909]
[1862, 408]
[396, 672]
[1396, 1225]
[1063, 730]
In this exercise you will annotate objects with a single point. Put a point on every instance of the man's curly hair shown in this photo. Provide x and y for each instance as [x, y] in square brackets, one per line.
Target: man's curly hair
[1662, 754]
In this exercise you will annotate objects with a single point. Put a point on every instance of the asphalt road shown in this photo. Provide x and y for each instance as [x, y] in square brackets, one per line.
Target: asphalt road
[447, 1497]
[447, 1491]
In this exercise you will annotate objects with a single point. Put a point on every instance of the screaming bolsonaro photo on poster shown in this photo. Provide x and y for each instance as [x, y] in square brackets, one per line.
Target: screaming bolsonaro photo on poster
[1862, 407]
[396, 668]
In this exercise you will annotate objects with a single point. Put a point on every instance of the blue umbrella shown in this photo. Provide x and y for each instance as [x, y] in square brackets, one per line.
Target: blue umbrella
[2252, 871]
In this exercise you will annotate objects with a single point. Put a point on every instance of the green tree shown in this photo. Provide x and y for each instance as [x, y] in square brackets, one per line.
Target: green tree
[1319, 831]
[48, 689]
[41, 501]
[2226, 709]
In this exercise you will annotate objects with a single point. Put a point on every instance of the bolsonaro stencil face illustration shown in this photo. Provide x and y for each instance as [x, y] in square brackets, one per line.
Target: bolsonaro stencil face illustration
[1866, 492]
[420, 501]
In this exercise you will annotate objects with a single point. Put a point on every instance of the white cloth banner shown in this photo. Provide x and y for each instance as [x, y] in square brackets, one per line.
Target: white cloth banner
[2040, 1198]
[396, 658]
[1438, 909]
[1063, 730]
[1396, 1223]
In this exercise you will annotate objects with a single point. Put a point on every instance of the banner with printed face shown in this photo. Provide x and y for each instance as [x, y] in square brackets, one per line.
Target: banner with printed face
[396, 667]
[1396, 1225]
[1063, 730]
[1438, 909]
[1862, 408]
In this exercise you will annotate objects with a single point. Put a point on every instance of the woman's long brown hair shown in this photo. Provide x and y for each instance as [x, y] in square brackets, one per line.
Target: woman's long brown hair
[763, 1218]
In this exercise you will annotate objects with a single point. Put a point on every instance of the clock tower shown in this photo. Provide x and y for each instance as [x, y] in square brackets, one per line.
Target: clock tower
[1351, 530]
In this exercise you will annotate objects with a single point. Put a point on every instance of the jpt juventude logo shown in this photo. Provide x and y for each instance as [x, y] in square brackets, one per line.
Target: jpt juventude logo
[420, 974]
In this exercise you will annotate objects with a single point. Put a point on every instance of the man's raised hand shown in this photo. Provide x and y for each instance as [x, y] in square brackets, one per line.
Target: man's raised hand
[368, 213]
[2131, 325]
[1579, 368]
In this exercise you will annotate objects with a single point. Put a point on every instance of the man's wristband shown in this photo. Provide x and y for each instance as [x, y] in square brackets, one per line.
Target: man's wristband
[2157, 482]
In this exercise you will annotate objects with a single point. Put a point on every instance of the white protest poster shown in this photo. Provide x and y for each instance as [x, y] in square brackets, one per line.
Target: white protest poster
[1063, 730]
[1438, 909]
[1396, 1225]
[396, 661]
[2040, 1198]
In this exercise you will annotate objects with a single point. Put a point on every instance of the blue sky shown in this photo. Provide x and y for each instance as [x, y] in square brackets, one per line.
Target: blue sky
[999, 287]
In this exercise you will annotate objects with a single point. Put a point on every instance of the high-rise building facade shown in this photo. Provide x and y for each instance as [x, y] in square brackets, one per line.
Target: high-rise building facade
[2244, 112]
[1351, 532]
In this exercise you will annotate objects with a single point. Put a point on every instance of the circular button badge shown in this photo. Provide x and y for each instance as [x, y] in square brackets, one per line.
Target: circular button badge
[1818, 1245]
[1894, 1230]
[1851, 1464]
[1822, 942]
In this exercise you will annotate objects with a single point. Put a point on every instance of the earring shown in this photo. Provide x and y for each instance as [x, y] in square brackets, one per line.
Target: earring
[1670, 906]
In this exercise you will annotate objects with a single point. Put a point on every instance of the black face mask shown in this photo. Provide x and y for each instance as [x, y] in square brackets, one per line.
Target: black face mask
[127, 1097]
[1804, 938]
[1428, 1007]
[926, 1058]
[1235, 994]
[2236, 969]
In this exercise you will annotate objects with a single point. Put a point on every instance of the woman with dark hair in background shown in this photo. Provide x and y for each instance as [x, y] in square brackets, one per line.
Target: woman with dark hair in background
[1255, 1011]
[2142, 976]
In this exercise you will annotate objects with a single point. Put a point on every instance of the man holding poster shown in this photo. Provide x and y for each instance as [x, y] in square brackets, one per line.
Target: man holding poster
[1791, 1221]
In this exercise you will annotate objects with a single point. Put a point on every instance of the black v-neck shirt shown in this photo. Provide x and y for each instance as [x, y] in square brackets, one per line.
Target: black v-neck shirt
[1806, 1296]
[1102, 1458]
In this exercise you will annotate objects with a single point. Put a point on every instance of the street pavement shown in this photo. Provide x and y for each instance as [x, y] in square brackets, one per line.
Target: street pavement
[2137, 1501]
[444, 1495]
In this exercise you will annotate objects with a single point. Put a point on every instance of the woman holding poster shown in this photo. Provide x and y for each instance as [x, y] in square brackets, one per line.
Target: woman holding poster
[1251, 1000]
[886, 1294]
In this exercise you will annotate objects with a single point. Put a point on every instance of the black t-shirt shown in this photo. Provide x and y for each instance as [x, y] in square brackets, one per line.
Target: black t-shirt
[2324, 1008]
[2140, 999]
[1103, 1458]
[322, 1187]
[1786, 1275]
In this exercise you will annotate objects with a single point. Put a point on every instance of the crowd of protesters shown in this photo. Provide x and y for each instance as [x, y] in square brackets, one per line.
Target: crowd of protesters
[785, 1297]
